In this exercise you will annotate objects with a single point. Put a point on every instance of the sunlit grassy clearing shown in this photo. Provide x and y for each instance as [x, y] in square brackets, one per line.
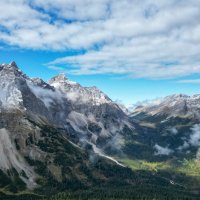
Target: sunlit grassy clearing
[188, 167]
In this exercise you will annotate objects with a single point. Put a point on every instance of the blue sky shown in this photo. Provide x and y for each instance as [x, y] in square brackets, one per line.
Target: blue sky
[132, 50]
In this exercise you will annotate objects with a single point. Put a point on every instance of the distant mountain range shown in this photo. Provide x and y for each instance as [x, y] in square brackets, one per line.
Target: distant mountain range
[173, 105]
[59, 136]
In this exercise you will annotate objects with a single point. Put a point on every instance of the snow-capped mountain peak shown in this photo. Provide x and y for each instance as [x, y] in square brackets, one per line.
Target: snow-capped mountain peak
[77, 93]
[60, 80]
[11, 70]
[9, 67]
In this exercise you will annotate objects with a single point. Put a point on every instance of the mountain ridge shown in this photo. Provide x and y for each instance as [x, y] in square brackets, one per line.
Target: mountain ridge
[177, 104]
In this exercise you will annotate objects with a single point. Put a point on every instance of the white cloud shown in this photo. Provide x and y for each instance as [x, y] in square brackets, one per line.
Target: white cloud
[49, 97]
[174, 131]
[162, 150]
[144, 39]
[193, 140]
[184, 146]
[195, 136]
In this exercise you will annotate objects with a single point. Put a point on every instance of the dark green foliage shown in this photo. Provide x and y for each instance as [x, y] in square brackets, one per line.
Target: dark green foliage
[146, 192]
[127, 193]
[12, 181]
[5, 180]
[4, 196]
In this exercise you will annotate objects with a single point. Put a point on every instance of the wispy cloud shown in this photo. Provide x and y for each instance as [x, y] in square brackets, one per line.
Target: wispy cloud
[56, 68]
[149, 39]
[189, 81]
[162, 150]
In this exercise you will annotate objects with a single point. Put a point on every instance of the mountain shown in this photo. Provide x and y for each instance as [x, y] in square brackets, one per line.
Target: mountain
[61, 140]
[93, 111]
[76, 93]
[62, 102]
[49, 140]
[174, 105]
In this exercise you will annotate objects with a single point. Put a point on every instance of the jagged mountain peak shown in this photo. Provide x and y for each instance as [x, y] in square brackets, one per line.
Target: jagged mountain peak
[177, 96]
[11, 70]
[11, 65]
[61, 79]
[78, 93]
